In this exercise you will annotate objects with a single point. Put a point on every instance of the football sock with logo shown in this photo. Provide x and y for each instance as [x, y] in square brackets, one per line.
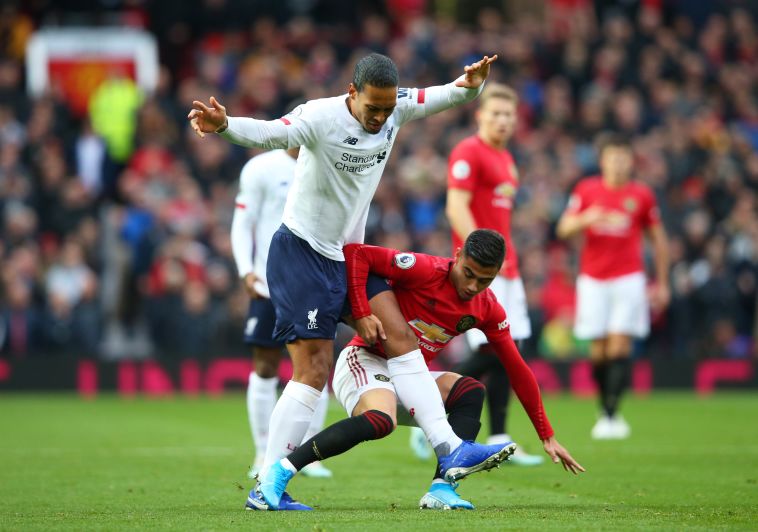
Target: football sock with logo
[599, 373]
[319, 416]
[289, 420]
[341, 437]
[617, 380]
[261, 398]
[418, 392]
[464, 406]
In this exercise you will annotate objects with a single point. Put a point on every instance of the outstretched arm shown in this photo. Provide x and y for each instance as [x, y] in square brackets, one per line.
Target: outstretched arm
[474, 74]
[526, 388]
[284, 133]
[431, 100]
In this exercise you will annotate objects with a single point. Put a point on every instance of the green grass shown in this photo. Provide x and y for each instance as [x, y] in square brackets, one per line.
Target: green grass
[179, 464]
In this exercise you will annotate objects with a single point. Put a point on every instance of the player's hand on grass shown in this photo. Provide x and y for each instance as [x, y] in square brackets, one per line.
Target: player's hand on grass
[204, 119]
[249, 282]
[475, 73]
[558, 454]
[370, 329]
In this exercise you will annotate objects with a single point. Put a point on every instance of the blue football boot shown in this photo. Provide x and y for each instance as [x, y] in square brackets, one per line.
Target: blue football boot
[255, 501]
[471, 457]
[442, 496]
[274, 483]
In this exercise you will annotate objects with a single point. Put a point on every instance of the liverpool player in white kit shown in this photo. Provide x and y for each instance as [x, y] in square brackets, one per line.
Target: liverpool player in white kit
[264, 182]
[482, 184]
[612, 212]
[345, 142]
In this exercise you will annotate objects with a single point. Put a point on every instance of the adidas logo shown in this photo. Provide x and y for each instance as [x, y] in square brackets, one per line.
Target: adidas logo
[350, 140]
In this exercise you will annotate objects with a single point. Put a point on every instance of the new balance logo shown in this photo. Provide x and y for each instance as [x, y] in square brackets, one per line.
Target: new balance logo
[350, 140]
[312, 319]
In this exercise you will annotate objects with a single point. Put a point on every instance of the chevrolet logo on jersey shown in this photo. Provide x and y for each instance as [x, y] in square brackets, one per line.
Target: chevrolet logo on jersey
[505, 190]
[430, 332]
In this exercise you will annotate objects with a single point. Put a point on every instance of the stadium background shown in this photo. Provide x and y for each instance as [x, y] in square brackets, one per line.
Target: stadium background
[115, 222]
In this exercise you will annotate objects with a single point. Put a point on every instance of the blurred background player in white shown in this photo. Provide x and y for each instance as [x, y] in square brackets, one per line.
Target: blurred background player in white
[482, 183]
[611, 211]
[264, 182]
[345, 142]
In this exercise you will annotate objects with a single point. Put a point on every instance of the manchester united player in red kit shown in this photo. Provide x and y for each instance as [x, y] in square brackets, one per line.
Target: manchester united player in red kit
[439, 298]
[612, 212]
[482, 184]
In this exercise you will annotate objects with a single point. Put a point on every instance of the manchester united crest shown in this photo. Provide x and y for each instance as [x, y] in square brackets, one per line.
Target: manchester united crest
[465, 323]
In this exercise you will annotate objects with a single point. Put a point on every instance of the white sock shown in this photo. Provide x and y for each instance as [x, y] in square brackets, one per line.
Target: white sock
[419, 394]
[319, 416]
[289, 421]
[261, 398]
[286, 464]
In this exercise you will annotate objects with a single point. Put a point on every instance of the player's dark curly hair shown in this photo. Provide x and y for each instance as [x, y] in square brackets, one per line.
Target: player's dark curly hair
[376, 70]
[485, 246]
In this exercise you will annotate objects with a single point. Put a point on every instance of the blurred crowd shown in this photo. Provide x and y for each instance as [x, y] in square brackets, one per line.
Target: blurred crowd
[114, 226]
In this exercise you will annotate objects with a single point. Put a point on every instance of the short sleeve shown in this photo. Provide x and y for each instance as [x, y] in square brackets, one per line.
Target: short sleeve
[462, 168]
[577, 201]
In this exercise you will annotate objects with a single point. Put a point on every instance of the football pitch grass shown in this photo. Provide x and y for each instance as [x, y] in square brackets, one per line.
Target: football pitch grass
[180, 464]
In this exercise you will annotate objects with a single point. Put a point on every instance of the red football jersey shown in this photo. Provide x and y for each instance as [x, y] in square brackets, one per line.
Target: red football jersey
[491, 176]
[431, 306]
[614, 248]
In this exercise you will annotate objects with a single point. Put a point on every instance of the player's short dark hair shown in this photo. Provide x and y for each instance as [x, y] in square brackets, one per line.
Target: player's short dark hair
[486, 247]
[615, 140]
[376, 70]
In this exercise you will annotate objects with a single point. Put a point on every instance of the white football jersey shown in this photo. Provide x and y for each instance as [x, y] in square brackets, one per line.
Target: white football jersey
[340, 163]
[264, 182]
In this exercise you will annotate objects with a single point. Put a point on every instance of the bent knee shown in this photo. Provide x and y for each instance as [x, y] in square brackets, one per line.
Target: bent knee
[466, 390]
[382, 422]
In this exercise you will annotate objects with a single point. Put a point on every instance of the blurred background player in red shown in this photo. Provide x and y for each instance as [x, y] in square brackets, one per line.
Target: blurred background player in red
[612, 212]
[482, 184]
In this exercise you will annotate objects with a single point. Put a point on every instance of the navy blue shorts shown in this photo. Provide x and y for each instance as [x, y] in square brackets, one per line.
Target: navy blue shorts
[374, 285]
[308, 290]
[259, 328]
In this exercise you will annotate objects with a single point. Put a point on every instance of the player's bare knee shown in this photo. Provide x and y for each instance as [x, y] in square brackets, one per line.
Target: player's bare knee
[265, 369]
[618, 347]
[315, 375]
[445, 382]
[266, 361]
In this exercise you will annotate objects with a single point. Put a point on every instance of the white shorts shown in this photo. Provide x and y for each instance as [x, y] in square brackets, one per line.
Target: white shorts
[357, 371]
[511, 295]
[612, 306]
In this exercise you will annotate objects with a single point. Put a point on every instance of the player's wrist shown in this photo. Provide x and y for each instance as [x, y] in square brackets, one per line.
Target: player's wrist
[223, 127]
